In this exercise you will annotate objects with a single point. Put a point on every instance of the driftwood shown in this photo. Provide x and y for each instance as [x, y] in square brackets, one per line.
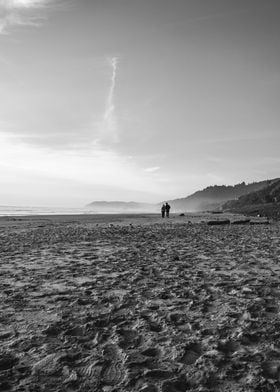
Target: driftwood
[218, 222]
[241, 222]
[259, 222]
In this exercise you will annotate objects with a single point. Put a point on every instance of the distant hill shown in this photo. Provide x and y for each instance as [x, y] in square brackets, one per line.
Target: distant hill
[121, 207]
[262, 202]
[209, 199]
[213, 197]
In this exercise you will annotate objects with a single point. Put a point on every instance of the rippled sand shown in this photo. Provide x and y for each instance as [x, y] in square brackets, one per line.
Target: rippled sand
[137, 303]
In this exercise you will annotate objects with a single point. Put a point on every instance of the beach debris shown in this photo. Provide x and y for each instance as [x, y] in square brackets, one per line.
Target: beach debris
[259, 222]
[241, 222]
[218, 222]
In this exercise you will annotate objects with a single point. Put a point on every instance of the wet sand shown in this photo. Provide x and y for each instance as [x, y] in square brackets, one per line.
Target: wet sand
[137, 303]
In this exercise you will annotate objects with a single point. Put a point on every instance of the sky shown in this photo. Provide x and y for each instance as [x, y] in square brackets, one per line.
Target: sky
[143, 100]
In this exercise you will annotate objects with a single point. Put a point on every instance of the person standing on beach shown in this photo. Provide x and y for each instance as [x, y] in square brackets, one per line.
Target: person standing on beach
[163, 208]
[167, 209]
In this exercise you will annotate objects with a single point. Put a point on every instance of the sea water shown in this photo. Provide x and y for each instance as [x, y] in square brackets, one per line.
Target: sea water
[23, 210]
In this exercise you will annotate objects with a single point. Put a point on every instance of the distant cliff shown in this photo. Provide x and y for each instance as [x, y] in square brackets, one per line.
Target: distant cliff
[208, 199]
[213, 197]
[262, 202]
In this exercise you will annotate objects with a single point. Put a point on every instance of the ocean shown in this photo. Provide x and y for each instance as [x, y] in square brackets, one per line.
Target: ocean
[22, 210]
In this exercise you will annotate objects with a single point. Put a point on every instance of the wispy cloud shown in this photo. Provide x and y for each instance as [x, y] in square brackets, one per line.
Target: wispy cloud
[108, 131]
[152, 169]
[22, 13]
[11, 4]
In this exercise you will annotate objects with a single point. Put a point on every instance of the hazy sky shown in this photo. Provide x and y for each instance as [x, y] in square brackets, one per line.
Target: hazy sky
[140, 100]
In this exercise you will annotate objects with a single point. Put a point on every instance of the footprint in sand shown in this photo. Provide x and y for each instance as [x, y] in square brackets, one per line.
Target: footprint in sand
[271, 365]
[151, 352]
[129, 338]
[177, 385]
[192, 352]
[7, 361]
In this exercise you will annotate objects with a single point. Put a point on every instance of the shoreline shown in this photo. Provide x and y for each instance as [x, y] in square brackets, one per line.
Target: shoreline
[134, 218]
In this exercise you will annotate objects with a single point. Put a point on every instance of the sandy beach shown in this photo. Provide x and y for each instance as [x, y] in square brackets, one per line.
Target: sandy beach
[137, 303]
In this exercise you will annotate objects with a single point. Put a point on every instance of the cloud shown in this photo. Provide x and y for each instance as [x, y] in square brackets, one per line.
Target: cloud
[152, 169]
[21, 13]
[22, 3]
[109, 127]
[97, 167]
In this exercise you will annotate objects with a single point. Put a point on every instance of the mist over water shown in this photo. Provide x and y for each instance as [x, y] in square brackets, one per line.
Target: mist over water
[23, 210]
[28, 210]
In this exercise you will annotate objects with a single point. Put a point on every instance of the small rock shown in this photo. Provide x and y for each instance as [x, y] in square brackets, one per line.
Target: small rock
[246, 316]
[212, 353]
[246, 290]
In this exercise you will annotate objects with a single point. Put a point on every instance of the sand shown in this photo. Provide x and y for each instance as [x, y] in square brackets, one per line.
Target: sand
[137, 303]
